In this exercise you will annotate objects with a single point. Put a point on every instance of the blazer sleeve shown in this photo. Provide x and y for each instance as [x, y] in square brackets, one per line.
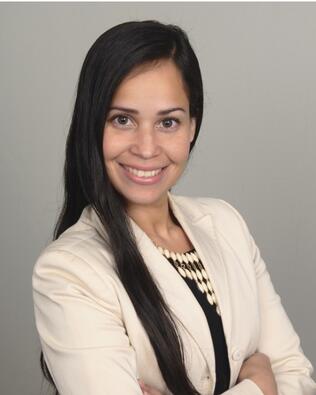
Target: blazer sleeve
[78, 318]
[278, 339]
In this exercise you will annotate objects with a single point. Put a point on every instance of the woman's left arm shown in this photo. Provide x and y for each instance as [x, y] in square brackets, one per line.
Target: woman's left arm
[278, 339]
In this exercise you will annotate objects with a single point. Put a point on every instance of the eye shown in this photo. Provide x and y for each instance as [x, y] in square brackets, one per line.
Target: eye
[120, 120]
[170, 123]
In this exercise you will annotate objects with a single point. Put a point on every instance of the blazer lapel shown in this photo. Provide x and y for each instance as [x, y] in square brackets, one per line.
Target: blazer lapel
[200, 230]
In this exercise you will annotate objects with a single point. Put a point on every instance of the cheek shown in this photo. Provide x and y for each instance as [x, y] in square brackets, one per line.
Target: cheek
[105, 145]
[180, 150]
[110, 146]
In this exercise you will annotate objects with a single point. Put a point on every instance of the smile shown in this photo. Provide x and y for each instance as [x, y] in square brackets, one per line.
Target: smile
[144, 177]
[143, 173]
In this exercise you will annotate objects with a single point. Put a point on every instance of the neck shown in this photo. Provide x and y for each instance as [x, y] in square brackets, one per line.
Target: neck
[156, 219]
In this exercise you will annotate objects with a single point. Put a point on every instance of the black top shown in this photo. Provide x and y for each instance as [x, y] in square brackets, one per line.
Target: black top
[216, 329]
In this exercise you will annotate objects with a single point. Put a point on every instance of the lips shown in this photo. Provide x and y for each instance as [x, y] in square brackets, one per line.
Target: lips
[142, 173]
[152, 168]
[143, 177]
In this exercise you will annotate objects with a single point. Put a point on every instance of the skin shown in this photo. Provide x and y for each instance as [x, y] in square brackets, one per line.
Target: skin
[150, 140]
[256, 368]
[147, 139]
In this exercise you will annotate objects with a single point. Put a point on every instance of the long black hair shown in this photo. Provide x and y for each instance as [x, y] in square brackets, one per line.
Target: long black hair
[110, 59]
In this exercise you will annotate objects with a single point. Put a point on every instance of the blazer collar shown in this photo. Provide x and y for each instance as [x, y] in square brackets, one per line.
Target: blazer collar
[197, 221]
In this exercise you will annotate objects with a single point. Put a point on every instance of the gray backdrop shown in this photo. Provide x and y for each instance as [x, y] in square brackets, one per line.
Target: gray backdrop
[256, 147]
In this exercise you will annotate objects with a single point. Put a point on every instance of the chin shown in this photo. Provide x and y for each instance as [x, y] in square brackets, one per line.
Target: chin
[144, 197]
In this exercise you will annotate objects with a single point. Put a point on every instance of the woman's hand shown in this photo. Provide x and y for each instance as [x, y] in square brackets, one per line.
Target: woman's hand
[147, 390]
[258, 368]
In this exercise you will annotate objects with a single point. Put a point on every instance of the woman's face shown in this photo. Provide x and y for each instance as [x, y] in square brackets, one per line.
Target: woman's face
[147, 133]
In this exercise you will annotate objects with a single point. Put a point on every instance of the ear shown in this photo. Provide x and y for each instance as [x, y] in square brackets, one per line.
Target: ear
[192, 129]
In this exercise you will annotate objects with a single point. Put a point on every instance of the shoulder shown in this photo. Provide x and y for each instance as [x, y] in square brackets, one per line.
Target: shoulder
[80, 252]
[75, 270]
[226, 218]
[218, 208]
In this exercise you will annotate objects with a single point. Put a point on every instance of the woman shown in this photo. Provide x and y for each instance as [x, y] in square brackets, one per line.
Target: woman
[143, 291]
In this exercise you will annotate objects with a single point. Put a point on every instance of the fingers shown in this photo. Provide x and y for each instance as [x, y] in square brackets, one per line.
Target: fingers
[142, 385]
[147, 390]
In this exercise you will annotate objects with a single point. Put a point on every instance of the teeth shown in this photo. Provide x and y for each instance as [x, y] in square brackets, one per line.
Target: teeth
[142, 173]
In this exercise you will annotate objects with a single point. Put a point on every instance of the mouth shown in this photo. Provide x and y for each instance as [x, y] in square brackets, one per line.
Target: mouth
[144, 177]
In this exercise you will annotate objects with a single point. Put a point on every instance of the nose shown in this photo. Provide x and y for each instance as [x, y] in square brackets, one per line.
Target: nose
[145, 143]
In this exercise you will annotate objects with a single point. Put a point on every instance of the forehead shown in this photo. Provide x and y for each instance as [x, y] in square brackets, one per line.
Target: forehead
[152, 83]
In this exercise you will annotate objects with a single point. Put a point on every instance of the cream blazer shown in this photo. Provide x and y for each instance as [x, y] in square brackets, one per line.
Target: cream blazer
[94, 343]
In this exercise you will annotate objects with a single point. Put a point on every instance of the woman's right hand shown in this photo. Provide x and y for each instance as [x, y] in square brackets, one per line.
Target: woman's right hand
[258, 369]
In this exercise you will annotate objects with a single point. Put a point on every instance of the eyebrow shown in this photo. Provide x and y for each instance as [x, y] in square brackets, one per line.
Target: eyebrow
[162, 112]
